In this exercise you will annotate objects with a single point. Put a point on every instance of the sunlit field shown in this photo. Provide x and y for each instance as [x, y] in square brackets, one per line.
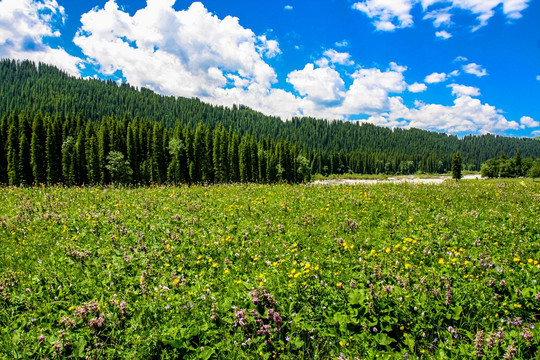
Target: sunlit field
[388, 271]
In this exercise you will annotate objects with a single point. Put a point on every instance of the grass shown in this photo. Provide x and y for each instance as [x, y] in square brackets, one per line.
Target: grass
[271, 271]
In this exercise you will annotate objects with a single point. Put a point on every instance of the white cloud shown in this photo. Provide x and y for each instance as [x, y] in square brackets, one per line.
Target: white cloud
[475, 69]
[460, 58]
[417, 87]
[535, 133]
[463, 90]
[369, 92]
[388, 15]
[341, 58]
[538, 77]
[189, 53]
[24, 27]
[194, 53]
[440, 17]
[443, 35]
[528, 122]
[466, 115]
[288, 7]
[343, 43]
[435, 78]
[321, 85]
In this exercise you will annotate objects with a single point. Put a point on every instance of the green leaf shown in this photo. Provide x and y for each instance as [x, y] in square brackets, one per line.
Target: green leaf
[457, 312]
[357, 297]
[409, 341]
[383, 339]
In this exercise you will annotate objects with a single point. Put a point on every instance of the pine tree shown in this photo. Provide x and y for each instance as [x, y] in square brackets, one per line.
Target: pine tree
[14, 175]
[132, 153]
[158, 166]
[234, 158]
[456, 166]
[104, 149]
[244, 151]
[51, 150]
[25, 166]
[3, 150]
[220, 155]
[38, 147]
[68, 160]
[199, 153]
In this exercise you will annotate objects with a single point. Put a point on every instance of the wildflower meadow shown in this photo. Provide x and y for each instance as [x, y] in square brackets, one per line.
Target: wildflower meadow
[387, 271]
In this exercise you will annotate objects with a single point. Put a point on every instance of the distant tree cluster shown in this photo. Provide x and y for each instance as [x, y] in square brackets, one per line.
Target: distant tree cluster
[503, 167]
[330, 147]
[37, 149]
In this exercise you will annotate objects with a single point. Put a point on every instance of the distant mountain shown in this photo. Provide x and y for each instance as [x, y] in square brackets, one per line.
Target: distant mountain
[330, 146]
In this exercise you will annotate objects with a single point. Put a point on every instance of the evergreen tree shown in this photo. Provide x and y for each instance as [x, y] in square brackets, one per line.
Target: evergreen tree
[517, 164]
[25, 166]
[176, 170]
[37, 147]
[119, 168]
[158, 166]
[14, 175]
[104, 149]
[199, 154]
[68, 160]
[3, 150]
[234, 158]
[53, 160]
[456, 166]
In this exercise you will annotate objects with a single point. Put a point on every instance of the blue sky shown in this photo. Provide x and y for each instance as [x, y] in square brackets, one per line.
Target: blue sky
[456, 66]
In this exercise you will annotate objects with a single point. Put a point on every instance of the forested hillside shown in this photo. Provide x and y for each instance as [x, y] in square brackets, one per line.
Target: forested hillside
[40, 98]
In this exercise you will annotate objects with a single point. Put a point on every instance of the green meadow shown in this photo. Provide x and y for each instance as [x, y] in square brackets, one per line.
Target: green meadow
[387, 271]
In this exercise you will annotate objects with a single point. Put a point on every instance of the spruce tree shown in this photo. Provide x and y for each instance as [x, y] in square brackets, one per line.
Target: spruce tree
[14, 174]
[51, 150]
[38, 150]
[25, 166]
[456, 166]
[3, 150]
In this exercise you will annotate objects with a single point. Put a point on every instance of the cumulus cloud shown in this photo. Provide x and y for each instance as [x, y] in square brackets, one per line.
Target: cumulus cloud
[538, 77]
[336, 57]
[25, 26]
[528, 122]
[466, 115]
[369, 92]
[417, 87]
[436, 78]
[445, 35]
[321, 85]
[475, 69]
[288, 7]
[463, 90]
[189, 53]
[388, 15]
[460, 58]
[343, 43]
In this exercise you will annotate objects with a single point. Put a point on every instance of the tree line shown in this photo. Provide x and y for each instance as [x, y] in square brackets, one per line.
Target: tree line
[503, 167]
[331, 147]
[73, 151]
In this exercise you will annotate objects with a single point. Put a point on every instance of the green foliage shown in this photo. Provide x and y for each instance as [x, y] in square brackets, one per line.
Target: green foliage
[534, 171]
[332, 147]
[119, 167]
[249, 271]
[456, 166]
[502, 167]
